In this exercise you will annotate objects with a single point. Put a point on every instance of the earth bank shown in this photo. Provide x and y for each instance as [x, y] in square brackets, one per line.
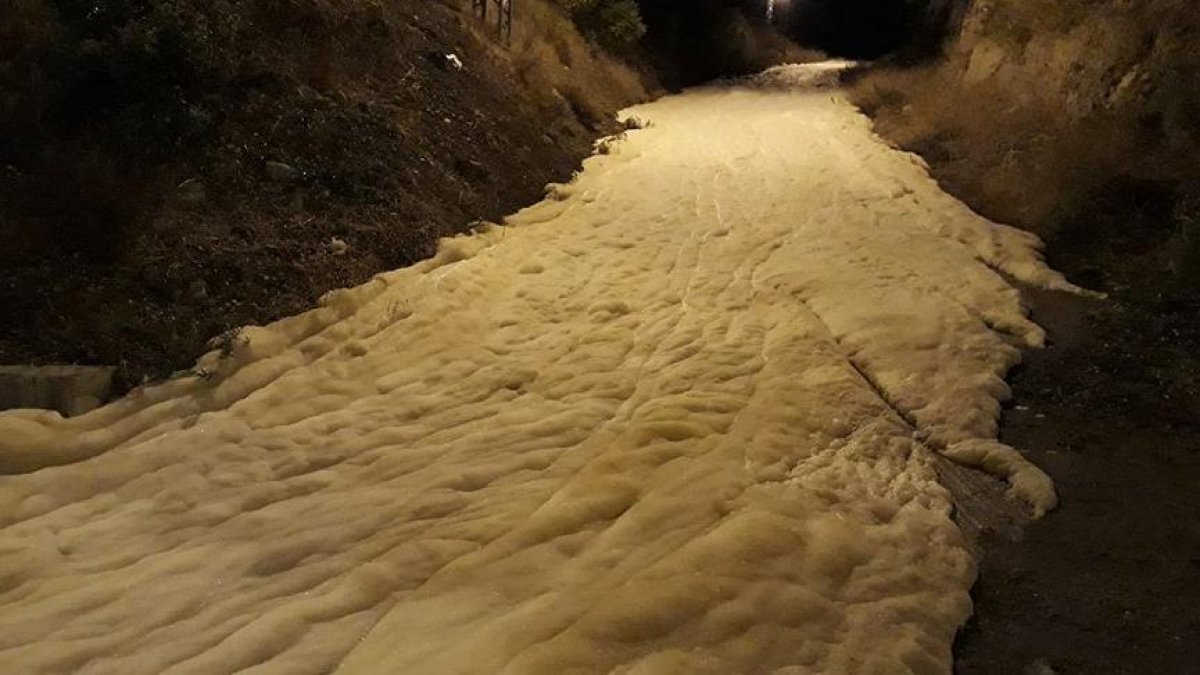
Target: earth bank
[1078, 121]
[180, 169]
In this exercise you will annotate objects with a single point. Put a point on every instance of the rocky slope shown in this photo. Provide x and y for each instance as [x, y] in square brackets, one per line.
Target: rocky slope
[1134, 58]
[181, 168]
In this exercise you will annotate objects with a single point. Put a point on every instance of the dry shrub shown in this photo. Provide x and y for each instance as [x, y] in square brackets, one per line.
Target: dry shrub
[1034, 142]
[616, 24]
[551, 56]
[750, 47]
[1113, 194]
[1019, 163]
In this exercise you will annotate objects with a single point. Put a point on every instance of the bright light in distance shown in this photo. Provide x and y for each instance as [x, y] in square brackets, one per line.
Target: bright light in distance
[771, 7]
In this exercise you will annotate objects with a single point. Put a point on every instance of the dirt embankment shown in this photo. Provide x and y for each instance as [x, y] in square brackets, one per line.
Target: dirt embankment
[1079, 121]
[1076, 120]
[182, 168]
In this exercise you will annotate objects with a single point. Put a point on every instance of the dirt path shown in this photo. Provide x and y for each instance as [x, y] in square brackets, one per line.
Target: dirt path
[1110, 582]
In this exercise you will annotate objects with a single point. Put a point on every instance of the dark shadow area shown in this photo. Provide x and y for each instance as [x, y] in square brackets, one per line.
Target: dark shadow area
[1102, 584]
[852, 28]
[870, 29]
[693, 41]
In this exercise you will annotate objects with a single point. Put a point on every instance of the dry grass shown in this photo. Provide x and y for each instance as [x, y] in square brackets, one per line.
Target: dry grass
[551, 56]
[1021, 163]
[1109, 181]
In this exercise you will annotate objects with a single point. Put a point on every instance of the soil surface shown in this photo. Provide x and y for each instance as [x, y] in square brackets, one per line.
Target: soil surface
[117, 252]
[1109, 582]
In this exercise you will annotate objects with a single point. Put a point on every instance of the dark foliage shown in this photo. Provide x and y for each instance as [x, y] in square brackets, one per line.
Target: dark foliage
[698, 40]
[615, 24]
[867, 29]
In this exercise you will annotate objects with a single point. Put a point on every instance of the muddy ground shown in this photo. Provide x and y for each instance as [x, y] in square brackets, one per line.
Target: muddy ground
[1110, 582]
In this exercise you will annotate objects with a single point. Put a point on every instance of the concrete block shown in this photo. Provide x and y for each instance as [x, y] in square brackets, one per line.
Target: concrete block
[71, 390]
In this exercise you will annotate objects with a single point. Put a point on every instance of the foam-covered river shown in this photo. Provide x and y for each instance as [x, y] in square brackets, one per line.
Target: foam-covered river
[677, 418]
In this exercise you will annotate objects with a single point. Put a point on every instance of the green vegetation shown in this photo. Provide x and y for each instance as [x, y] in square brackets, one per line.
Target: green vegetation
[616, 24]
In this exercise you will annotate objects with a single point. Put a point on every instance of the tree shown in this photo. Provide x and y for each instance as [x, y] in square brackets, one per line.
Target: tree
[615, 24]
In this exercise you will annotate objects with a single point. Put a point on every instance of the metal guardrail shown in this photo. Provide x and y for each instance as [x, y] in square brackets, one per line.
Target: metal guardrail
[504, 16]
